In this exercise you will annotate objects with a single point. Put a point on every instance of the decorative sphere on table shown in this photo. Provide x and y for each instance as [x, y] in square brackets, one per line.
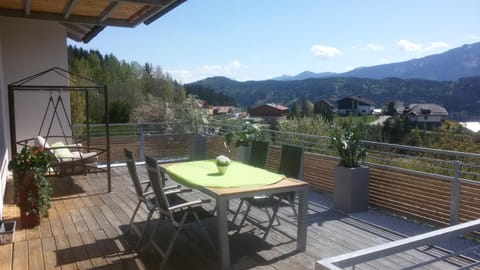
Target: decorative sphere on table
[222, 163]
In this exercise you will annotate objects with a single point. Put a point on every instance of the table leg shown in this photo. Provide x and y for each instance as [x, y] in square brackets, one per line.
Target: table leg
[302, 220]
[222, 233]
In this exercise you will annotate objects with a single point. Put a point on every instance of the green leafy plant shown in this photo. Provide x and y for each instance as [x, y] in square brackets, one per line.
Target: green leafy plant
[193, 114]
[347, 143]
[32, 189]
[244, 135]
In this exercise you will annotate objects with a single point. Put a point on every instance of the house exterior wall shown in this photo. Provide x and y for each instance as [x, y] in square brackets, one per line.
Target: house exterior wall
[26, 48]
[425, 118]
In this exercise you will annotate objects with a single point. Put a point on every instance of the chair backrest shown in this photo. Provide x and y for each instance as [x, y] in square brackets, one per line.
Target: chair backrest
[132, 169]
[291, 161]
[258, 154]
[157, 186]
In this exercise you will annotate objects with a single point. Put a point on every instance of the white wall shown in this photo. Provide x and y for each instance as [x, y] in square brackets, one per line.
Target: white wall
[26, 48]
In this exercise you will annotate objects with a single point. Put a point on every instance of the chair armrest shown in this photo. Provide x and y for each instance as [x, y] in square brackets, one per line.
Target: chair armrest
[171, 187]
[178, 190]
[189, 204]
[145, 194]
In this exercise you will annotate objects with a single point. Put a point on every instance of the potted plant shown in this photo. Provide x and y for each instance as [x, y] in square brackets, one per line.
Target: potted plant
[351, 178]
[243, 136]
[32, 189]
[195, 117]
[222, 163]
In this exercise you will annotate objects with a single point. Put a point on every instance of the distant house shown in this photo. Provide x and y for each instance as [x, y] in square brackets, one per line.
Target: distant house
[425, 113]
[225, 111]
[326, 104]
[270, 112]
[356, 105]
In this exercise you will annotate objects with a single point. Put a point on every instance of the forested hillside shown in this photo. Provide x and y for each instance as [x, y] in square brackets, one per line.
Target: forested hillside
[136, 92]
[461, 98]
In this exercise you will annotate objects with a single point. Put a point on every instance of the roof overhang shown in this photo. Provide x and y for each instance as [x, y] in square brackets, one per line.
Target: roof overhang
[84, 19]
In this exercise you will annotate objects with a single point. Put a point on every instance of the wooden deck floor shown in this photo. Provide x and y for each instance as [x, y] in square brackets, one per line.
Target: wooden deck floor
[85, 230]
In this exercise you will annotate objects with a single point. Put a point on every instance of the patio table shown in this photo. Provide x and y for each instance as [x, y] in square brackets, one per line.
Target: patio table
[203, 176]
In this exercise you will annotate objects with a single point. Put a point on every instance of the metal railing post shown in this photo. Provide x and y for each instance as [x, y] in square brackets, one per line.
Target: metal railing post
[455, 194]
[142, 142]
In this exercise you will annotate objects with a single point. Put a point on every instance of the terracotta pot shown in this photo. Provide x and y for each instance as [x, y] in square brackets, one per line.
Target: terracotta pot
[26, 186]
[30, 220]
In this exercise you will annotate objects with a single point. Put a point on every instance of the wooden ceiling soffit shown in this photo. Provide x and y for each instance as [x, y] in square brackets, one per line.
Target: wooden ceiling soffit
[84, 19]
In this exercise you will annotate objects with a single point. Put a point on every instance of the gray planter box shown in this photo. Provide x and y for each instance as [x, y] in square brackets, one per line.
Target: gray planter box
[350, 192]
[198, 147]
[243, 153]
[7, 231]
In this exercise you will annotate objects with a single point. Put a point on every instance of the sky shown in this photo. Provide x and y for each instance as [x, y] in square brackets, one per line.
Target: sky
[261, 39]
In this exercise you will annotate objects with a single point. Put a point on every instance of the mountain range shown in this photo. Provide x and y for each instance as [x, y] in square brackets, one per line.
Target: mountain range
[450, 79]
[451, 65]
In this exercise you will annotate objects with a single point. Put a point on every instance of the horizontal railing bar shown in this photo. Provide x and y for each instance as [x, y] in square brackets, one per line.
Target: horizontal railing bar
[368, 254]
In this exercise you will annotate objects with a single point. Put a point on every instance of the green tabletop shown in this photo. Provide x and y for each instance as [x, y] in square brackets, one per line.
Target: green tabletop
[204, 173]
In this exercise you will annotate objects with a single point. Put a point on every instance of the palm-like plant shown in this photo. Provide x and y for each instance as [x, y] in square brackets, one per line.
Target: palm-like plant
[347, 143]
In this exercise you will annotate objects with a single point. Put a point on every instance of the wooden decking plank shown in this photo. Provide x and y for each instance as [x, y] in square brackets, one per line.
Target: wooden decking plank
[35, 254]
[64, 253]
[45, 229]
[20, 255]
[79, 253]
[90, 219]
[55, 222]
[33, 233]
[93, 250]
[128, 258]
[67, 223]
[78, 221]
[107, 247]
[49, 252]
[6, 254]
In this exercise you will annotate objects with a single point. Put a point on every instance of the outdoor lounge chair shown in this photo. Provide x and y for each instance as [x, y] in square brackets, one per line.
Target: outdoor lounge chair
[142, 190]
[70, 159]
[291, 165]
[176, 215]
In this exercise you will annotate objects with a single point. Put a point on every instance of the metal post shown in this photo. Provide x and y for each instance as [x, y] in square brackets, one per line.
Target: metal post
[142, 142]
[455, 194]
[11, 116]
[107, 134]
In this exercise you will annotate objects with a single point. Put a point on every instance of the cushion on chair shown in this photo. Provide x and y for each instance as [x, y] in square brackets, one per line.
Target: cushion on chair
[42, 142]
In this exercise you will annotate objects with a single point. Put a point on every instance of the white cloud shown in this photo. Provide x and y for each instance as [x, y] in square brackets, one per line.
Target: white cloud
[325, 52]
[375, 47]
[408, 46]
[229, 69]
[437, 46]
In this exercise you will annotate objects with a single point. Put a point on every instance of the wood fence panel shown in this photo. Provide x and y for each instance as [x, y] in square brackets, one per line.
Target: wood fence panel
[424, 196]
[469, 201]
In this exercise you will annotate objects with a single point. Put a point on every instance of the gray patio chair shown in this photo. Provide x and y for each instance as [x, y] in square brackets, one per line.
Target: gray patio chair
[258, 154]
[258, 158]
[175, 215]
[291, 165]
[142, 189]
